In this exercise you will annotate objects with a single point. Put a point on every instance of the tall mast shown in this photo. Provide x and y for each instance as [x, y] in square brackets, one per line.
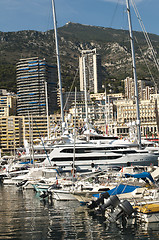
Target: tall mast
[106, 112]
[74, 148]
[47, 111]
[86, 100]
[135, 75]
[58, 60]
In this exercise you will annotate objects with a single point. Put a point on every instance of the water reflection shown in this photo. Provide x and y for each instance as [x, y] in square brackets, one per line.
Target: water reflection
[24, 216]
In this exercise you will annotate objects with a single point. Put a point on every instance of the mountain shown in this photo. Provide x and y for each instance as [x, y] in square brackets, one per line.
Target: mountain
[113, 45]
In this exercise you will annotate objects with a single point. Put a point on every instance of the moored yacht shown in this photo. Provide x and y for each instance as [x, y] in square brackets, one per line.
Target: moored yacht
[89, 156]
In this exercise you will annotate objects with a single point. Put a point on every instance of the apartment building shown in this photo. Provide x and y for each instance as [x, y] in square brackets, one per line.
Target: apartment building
[7, 103]
[36, 82]
[126, 114]
[145, 89]
[92, 71]
[99, 114]
[11, 133]
[69, 98]
[15, 131]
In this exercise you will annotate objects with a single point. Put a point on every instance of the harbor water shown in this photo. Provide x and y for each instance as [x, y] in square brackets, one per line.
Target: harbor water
[25, 217]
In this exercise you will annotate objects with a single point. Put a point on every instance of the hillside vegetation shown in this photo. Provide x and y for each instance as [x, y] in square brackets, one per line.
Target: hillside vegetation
[113, 46]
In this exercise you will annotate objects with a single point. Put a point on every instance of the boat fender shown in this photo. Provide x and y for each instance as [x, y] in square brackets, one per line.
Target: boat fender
[92, 165]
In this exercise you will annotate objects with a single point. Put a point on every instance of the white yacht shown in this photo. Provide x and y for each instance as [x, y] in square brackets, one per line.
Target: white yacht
[89, 156]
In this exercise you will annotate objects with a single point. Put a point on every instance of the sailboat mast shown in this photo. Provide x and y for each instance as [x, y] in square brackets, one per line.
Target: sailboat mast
[74, 148]
[58, 60]
[86, 101]
[47, 111]
[135, 74]
[106, 112]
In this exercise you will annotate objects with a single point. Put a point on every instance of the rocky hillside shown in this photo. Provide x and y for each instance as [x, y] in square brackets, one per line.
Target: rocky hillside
[113, 46]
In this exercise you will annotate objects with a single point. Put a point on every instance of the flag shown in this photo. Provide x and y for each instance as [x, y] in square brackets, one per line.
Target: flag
[56, 180]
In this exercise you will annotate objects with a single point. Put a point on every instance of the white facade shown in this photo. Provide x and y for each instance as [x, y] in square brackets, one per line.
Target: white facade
[92, 71]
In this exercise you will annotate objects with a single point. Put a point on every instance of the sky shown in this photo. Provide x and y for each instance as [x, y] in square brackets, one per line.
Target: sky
[17, 15]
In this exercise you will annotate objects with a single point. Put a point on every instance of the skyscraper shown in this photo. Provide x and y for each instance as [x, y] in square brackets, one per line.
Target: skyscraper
[92, 71]
[35, 80]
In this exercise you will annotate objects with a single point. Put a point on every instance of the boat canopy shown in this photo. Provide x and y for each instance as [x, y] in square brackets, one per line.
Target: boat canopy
[120, 189]
[27, 162]
[142, 175]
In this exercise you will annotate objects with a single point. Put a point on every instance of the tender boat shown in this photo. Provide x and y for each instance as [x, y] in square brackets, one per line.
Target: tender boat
[149, 212]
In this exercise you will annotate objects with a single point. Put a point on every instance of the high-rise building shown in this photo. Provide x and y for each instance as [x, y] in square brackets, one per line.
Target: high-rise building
[36, 80]
[92, 71]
